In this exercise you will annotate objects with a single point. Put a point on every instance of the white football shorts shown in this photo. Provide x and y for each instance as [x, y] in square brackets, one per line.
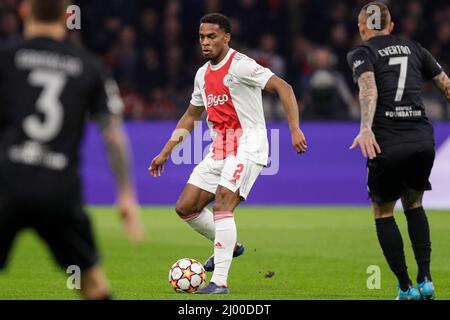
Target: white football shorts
[232, 173]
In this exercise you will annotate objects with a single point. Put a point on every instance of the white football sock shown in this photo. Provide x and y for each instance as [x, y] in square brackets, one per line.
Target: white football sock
[224, 244]
[203, 223]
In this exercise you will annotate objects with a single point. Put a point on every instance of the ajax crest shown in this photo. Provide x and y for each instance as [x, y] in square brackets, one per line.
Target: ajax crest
[228, 80]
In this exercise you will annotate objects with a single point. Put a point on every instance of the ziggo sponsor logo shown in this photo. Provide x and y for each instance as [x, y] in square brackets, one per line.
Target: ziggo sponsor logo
[214, 101]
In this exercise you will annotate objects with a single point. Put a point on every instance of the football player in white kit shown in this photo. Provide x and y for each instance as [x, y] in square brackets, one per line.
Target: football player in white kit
[229, 87]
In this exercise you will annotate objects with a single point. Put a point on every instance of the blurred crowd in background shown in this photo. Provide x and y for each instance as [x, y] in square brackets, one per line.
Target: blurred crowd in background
[151, 48]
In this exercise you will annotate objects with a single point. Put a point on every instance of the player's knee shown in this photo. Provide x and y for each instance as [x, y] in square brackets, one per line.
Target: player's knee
[381, 215]
[218, 207]
[221, 202]
[412, 199]
[185, 210]
[225, 200]
[381, 211]
[412, 205]
[222, 205]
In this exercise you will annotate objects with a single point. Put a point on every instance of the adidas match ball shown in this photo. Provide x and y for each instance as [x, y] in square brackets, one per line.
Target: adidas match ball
[187, 275]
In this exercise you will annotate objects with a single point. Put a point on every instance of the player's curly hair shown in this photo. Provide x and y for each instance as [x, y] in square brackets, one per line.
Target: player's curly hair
[217, 18]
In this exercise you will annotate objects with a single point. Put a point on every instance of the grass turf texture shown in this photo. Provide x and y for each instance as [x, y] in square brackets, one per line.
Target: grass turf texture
[314, 253]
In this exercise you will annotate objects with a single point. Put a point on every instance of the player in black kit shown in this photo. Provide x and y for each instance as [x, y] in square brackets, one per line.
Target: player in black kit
[48, 88]
[397, 138]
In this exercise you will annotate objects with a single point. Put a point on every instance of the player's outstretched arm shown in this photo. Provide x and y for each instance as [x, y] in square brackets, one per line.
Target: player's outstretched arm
[118, 154]
[183, 129]
[442, 82]
[289, 102]
[368, 95]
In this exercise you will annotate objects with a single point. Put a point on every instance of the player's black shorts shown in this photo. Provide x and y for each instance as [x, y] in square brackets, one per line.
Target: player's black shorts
[400, 168]
[67, 231]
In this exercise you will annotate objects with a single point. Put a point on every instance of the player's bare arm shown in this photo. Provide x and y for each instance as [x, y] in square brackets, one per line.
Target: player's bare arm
[183, 129]
[442, 82]
[287, 98]
[368, 95]
[117, 150]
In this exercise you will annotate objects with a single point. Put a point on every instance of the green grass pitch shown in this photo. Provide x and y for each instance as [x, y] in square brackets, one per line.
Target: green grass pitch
[315, 253]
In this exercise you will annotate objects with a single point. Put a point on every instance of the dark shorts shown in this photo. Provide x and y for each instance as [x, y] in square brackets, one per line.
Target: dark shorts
[400, 168]
[67, 231]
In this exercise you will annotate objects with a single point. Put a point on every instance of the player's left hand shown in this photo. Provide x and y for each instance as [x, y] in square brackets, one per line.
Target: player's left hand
[299, 141]
[369, 145]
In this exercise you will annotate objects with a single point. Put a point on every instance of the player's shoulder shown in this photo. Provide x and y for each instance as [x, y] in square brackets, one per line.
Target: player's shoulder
[201, 71]
[8, 50]
[359, 53]
[239, 56]
[364, 47]
[91, 62]
[242, 64]
[401, 40]
[414, 45]
[417, 46]
[240, 59]
[11, 45]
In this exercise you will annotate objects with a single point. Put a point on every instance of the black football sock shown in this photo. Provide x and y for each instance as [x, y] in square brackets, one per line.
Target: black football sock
[392, 245]
[419, 233]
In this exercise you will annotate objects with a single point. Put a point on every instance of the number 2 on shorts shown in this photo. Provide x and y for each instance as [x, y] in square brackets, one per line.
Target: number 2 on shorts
[238, 171]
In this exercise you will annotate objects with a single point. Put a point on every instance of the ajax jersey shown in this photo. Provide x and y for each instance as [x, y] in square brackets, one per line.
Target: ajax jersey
[231, 93]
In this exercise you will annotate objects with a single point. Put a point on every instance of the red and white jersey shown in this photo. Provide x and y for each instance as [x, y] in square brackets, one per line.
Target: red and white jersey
[231, 93]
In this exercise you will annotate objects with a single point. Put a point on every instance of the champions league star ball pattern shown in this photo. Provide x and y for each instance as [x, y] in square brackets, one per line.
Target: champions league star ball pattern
[187, 275]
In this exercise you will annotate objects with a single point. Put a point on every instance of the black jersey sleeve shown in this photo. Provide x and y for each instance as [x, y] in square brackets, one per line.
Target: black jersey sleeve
[3, 80]
[359, 62]
[430, 67]
[106, 97]
[2, 116]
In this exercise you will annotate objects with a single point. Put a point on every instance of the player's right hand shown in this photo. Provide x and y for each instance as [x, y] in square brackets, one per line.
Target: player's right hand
[368, 144]
[157, 166]
[299, 141]
[130, 214]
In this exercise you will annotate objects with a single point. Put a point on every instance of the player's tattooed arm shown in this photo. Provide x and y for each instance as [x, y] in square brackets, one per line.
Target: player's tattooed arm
[368, 95]
[117, 149]
[118, 154]
[443, 83]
